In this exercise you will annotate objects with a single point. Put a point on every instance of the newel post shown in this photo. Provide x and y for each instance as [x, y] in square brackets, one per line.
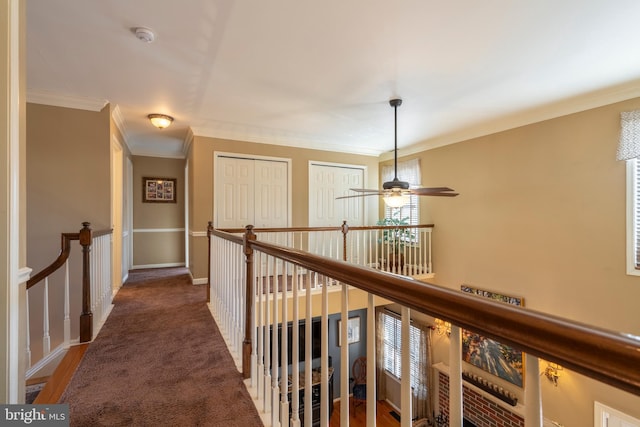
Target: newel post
[246, 344]
[86, 318]
[345, 231]
[209, 231]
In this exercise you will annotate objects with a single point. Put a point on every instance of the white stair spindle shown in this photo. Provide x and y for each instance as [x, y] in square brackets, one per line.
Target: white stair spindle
[344, 357]
[28, 333]
[455, 376]
[532, 392]
[405, 384]
[46, 339]
[67, 317]
[371, 361]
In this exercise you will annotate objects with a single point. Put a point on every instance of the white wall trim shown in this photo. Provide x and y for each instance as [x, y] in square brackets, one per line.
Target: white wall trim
[59, 100]
[158, 230]
[165, 265]
[200, 281]
[13, 308]
[198, 234]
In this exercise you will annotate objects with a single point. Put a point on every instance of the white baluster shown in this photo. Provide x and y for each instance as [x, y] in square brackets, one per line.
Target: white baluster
[455, 376]
[275, 422]
[371, 361]
[308, 333]
[344, 357]
[324, 360]
[46, 339]
[67, 316]
[405, 384]
[284, 401]
[28, 349]
[267, 343]
[295, 357]
[257, 263]
[532, 393]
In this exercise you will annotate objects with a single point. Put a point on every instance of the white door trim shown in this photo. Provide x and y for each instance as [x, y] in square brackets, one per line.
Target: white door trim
[602, 414]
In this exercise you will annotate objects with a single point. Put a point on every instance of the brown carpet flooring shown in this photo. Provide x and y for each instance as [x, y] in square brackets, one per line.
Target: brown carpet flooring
[159, 360]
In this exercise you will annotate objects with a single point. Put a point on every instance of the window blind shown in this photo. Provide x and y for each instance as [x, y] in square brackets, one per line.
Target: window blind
[408, 171]
[392, 342]
[636, 210]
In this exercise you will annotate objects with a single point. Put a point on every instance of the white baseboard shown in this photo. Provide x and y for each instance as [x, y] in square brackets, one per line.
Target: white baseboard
[46, 365]
[200, 281]
[165, 265]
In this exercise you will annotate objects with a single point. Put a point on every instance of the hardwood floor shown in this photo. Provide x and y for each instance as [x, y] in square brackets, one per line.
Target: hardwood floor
[359, 419]
[62, 375]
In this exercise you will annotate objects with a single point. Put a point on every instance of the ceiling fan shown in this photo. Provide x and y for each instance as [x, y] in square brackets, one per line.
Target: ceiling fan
[396, 193]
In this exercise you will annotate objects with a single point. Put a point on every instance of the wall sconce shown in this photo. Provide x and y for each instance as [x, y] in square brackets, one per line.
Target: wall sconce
[553, 373]
[160, 121]
[442, 327]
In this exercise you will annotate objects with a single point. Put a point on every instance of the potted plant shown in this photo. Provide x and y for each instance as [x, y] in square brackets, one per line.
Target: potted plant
[393, 240]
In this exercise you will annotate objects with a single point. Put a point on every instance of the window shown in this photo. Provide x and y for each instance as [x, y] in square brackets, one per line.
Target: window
[633, 217]
[392, 342]
[408, 171]
[629, 150]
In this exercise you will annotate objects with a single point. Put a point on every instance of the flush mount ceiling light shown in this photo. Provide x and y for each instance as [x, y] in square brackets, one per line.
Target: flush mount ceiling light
[160, 121]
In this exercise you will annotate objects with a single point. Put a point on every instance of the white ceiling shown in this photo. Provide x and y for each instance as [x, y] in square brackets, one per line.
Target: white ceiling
[320, 74]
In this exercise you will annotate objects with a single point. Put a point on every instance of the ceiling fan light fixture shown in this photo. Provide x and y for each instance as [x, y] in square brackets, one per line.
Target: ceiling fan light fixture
[396, 199]
[160, 121]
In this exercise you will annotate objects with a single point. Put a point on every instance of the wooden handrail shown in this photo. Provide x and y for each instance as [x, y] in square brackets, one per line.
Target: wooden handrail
[340, 228]
[607, 356]
[85, 237]
[65, 249]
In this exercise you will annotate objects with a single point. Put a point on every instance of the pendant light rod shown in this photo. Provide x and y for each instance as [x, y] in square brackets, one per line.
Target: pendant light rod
[395, 103]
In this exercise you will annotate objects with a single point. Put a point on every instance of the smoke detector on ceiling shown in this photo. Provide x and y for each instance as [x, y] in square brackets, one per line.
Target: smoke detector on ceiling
[145, 34]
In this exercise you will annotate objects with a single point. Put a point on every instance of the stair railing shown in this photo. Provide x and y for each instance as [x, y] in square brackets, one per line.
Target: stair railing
[249, 301]
[96, 291]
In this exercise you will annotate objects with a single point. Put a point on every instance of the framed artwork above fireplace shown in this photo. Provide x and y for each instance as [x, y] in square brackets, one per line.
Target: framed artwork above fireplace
[498, 359]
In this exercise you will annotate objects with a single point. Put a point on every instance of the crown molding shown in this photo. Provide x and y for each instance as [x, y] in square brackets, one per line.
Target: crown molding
[118, 119]
[67, 101]
[188, 141]
[553, 110]
[275, 138]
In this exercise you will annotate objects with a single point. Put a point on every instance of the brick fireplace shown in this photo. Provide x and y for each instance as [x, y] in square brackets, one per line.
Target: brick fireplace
[478, 409]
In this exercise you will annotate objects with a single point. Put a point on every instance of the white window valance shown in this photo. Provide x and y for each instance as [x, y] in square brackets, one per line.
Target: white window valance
[629, 145]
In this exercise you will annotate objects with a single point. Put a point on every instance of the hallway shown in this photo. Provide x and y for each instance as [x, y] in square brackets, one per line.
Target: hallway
[159, 360]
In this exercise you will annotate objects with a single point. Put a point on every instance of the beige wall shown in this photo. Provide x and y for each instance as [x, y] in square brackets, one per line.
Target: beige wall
[541, 215]
[158, 228]
[201, 165]
[68, 182]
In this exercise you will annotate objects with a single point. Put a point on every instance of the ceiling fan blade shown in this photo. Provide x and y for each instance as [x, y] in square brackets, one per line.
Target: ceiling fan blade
[443, 194]
[431, 190]
[359, 195]
[365, 190]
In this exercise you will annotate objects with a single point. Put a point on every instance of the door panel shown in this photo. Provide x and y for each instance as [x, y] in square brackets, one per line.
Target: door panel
[235, 203]
[252, 191]
[326, 182]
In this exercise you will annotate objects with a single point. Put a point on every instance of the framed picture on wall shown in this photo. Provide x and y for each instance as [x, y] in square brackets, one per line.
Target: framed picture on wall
[353, 330]
[496, 358]
[159, 190]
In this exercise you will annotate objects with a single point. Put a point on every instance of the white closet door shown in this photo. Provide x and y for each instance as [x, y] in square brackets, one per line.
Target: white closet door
[271, 188]
[326, 182]
[251, 191]
[235, 200]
